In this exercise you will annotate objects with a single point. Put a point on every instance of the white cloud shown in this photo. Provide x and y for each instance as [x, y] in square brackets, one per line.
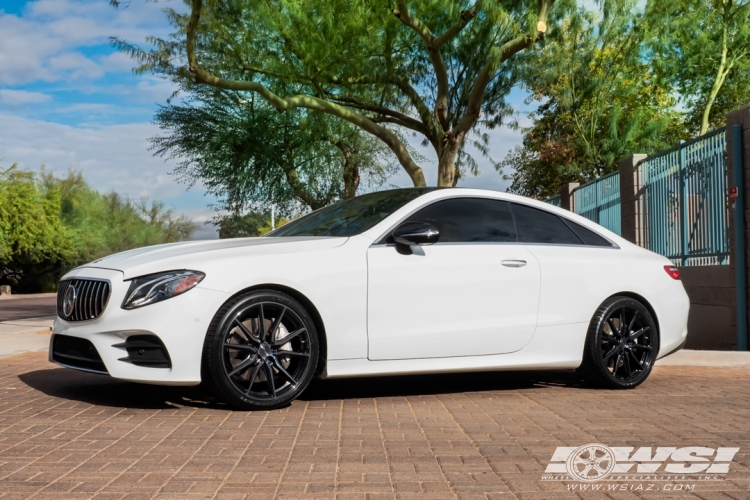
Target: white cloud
[17, 97]
[114, 157]
[44, 43]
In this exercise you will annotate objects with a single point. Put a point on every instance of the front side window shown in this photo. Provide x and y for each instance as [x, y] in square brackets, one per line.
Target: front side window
[352, 216]
[469, 220]
[539, 226]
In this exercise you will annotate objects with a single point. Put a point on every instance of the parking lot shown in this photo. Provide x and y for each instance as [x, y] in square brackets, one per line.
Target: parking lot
[67, 434]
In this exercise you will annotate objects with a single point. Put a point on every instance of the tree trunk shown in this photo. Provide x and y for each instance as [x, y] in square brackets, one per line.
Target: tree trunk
[447, 175]
[351, 170]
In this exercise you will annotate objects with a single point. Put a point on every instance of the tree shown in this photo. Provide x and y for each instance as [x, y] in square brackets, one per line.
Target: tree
[431, 67]
[698, 45]
[245, 153]
[49, 225]
[600, 102]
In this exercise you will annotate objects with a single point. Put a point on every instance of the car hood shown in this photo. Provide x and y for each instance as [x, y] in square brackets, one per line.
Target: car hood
[191, 254]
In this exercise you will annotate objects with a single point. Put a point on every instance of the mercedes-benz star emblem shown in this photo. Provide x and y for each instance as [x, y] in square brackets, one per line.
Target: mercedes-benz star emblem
[69, 301]
[592, 462]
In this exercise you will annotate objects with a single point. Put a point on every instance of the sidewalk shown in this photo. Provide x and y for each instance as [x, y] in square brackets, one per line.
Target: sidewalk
[25, 335]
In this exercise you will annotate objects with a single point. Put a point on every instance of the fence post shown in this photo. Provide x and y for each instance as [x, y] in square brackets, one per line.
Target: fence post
[566, 200]
[630, 200]
[738, 166]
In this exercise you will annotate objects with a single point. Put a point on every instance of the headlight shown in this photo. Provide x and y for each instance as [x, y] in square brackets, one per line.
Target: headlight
[157, 287]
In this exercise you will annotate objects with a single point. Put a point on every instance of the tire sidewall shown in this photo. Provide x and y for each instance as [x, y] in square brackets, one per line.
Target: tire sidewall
[213, 351]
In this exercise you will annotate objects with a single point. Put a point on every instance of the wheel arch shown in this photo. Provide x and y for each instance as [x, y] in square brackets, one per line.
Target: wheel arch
[642, 300]
[309, 307]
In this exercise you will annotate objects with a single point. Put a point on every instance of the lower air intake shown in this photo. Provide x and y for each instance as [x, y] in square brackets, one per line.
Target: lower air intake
[77, 353]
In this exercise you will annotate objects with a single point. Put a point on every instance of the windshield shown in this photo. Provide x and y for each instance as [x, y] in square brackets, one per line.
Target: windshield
[352, 216]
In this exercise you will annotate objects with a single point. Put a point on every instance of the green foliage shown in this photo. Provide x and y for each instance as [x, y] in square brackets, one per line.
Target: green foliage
[49, 225]
[600, 102]
[243, 226]
[434, 68]
[700, 46]
[247, 154]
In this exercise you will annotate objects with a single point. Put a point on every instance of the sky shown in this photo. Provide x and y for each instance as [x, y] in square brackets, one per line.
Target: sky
[69, 100]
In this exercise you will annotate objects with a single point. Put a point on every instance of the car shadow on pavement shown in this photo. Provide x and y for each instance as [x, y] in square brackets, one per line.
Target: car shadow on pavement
[446, 383]
[102, 390]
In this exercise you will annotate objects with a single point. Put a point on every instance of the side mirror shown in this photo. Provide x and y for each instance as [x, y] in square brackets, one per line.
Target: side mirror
[416, 233]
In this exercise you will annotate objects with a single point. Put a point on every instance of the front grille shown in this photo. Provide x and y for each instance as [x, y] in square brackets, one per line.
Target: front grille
[82, 299]
[145, 350]
[75, 352]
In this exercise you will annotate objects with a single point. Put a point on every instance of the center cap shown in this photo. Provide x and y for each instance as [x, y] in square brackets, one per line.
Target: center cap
[264, 351]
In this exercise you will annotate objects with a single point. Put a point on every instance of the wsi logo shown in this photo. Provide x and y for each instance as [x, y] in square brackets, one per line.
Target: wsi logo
[597, 462]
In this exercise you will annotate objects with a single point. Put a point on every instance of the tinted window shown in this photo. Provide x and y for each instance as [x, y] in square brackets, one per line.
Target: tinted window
[350, 217]
[538, 226]
[588, 236]
[462, 220]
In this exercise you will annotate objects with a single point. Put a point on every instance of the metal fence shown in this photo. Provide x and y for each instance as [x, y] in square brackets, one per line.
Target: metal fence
[554, 200]
[599, 201]
[684, 201]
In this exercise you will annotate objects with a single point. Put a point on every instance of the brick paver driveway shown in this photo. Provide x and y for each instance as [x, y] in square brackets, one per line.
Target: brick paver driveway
[65, 434]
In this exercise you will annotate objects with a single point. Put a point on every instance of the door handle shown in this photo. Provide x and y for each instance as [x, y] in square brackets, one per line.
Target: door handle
[513, 263]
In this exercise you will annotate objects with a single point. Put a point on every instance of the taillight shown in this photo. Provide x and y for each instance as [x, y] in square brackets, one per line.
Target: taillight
[673, 272]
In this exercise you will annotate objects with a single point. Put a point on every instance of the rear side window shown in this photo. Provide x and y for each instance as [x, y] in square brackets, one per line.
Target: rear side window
[469, 220]
[588, 236]
[538, 226]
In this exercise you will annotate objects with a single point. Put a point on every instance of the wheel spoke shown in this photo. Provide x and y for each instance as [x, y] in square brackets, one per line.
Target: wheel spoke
[637, 363]
[286, 373]
[275, 325]
[253, 376]
[269, 377]
[244, 347]
[289, 337]
[243, 365]
[627, 366]
[612, 327]
[617, 364]
[637, 334]
[247, 332]
[639, 346]
[611, 353]
[261, 323]
[292, 353]
[632, 322]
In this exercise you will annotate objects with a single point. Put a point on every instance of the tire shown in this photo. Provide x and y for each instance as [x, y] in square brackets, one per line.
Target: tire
[261, 351]
[621, 345]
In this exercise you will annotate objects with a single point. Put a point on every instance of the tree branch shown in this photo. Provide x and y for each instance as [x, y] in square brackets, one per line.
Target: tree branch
[298, 101]
[433, 51]
[466, 17]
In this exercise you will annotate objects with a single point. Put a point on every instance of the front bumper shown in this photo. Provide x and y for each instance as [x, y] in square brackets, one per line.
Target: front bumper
[180, 323]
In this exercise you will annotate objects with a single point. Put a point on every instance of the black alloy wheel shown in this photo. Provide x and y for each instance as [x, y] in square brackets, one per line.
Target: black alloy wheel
[621, 346]
[261, 351]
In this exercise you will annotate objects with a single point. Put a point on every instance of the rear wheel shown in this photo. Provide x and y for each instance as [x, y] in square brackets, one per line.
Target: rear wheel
[261, 351]
[621, 345]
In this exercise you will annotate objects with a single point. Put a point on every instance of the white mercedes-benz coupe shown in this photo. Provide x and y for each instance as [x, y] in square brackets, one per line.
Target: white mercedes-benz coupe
[417, 280]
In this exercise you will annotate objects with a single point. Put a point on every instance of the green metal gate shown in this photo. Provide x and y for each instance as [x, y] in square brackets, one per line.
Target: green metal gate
[684, 201]
[599, 201]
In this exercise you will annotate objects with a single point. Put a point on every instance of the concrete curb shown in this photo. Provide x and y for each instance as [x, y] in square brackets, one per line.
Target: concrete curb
[689, 357]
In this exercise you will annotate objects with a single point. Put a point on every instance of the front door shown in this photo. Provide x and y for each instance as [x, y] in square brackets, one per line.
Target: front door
[473, 293]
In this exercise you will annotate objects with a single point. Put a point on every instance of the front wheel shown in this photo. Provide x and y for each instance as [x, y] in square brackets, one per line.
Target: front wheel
[621, 345]
[261, 351]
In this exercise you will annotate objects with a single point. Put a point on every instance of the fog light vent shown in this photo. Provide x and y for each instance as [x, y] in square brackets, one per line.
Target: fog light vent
[146, 350]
